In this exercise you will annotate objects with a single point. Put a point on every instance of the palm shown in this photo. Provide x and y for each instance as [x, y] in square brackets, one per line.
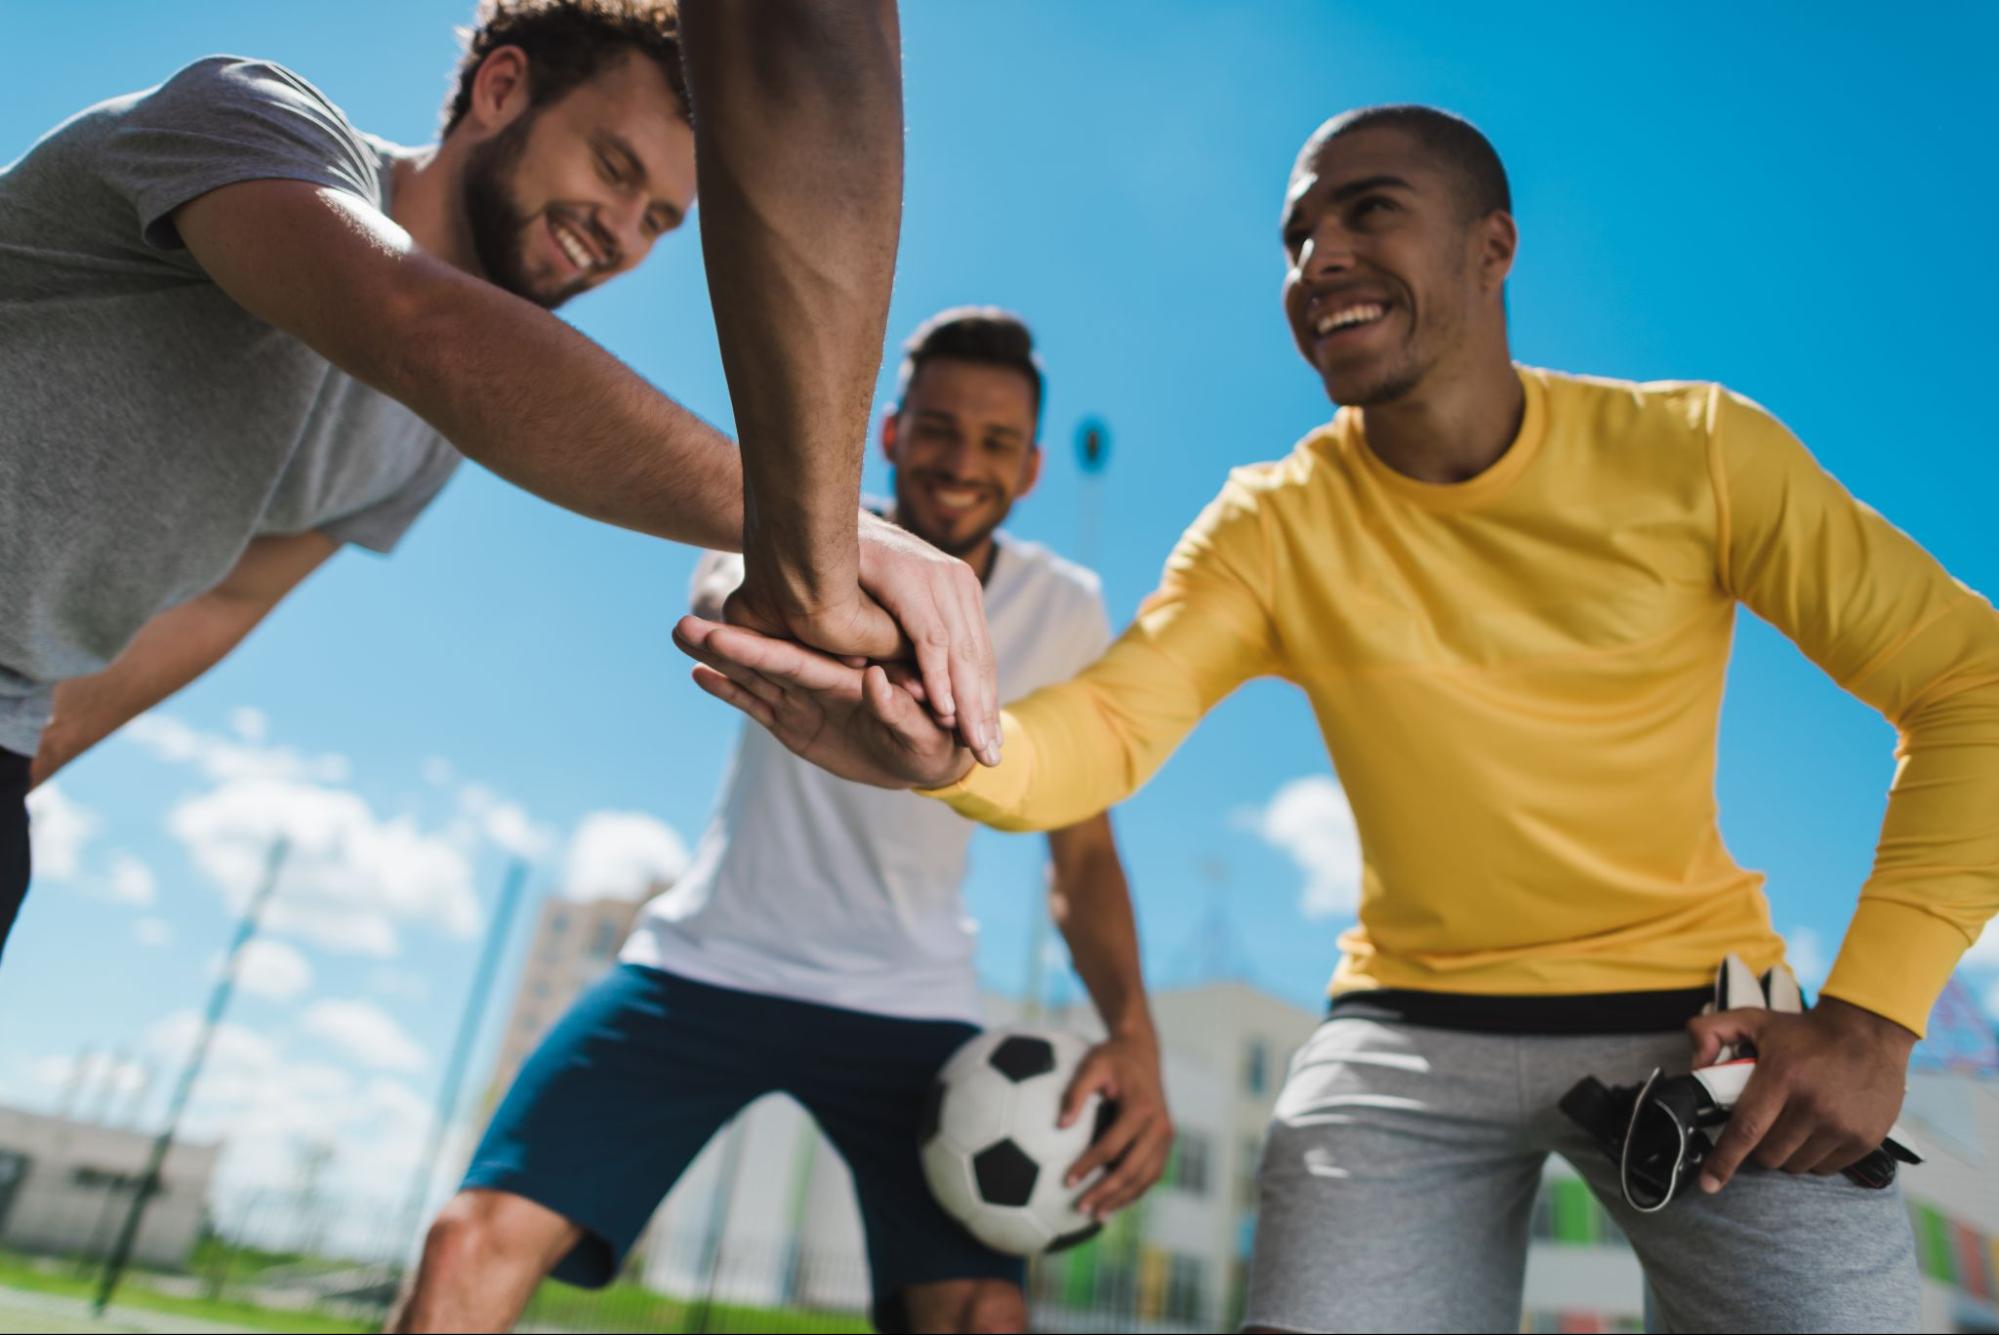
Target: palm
[852, 722]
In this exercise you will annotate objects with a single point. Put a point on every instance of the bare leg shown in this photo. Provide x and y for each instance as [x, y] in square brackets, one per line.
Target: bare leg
[482, 1259]
[961, 1306]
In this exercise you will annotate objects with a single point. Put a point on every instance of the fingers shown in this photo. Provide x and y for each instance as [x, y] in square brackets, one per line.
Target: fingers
[1711, 1032]
[1093, 1076]
[1144, 1136]
[719, 686]
[973, 672]
[732, 651]
[1762, 1102]
[1788, 1135]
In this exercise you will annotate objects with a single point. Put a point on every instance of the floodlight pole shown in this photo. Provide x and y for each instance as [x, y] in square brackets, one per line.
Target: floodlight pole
[218, 1001]
[461, 1054]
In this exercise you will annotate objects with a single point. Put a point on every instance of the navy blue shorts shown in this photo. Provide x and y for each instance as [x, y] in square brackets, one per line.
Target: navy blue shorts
[647, 1066]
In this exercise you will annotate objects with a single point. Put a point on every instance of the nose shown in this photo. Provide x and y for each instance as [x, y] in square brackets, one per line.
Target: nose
[1328, 253]
[621, 227]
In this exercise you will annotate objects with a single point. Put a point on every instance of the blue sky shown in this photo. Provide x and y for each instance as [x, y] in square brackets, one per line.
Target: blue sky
[1785, 202]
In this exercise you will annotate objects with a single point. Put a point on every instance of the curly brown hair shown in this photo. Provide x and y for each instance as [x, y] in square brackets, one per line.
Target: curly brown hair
[567, 42]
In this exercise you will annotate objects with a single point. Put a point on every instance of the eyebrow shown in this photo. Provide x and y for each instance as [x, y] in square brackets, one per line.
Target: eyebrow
[1342, 193]
[616, 143]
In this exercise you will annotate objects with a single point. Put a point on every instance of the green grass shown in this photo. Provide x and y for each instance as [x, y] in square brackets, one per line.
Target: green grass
[20, 1273]
[630, 1307]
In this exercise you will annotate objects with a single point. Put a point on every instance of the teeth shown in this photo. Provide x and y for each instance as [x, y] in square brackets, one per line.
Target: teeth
[1364, 313]
[578, 254]
[954, 497]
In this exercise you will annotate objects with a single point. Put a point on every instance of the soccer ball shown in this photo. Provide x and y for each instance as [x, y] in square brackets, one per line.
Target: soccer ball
[992, 1153]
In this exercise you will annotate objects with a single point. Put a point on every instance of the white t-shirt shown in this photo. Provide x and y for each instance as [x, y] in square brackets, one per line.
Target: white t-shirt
[811, 887]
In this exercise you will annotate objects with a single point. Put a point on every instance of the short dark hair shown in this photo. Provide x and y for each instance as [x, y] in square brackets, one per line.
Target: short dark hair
[568, 42]
[984, 334]
[1452, 140]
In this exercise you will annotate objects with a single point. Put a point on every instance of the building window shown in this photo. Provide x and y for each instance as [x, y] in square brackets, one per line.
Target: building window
[1256, 1068]
[605, 943]
[1252, 1151]
[1187, 1165]
[558, 922]
[1183, 1290]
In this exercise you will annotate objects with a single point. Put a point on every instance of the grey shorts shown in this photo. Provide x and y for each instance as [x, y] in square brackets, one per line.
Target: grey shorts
[1399, 1178]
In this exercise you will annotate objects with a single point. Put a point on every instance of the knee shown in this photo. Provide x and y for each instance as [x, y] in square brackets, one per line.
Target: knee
[474, 1230]
[996, 1308]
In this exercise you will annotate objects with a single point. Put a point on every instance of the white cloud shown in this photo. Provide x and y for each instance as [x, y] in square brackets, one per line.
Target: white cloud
[131, 881]
[223, 759]
[350, 877]
[1309, 819]
[505, 823]
[97, 1075]
[365, 1032]
[1807, 958]
[234, 1052]
[252, 725]
[1985, 950]
[437, 772]
[1992, 1001]
[272, 969]
[58, 828]
[153, 932]
[621, 855]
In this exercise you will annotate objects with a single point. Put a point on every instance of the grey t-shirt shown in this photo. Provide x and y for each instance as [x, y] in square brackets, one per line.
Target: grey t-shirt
[150, 426]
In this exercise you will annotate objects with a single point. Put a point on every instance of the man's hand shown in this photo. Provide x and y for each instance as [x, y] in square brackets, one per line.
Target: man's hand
[912, 601]
[1827, 1087]
[1124, 1071]
[854, 722]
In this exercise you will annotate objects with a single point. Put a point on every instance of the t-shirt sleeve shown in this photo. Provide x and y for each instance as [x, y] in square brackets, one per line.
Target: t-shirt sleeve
[223, 120]
[1080, 747]
[1867, 604]
[380, 526]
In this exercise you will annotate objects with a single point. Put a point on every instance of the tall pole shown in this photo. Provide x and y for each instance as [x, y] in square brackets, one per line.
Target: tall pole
[461, 1054]
[218, 1001]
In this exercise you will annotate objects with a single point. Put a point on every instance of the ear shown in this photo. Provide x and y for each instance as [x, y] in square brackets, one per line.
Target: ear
[1498, 239]
[1031, 471]
[500, 91]
[889, 431]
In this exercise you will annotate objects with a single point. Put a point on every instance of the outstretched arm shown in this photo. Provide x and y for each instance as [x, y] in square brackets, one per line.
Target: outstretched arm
[798, 138]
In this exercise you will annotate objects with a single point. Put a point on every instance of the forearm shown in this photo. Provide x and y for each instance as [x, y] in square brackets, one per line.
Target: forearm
[798, 131]
[1935, 882]
[1091, 904]
[169, 652]
[544, 407]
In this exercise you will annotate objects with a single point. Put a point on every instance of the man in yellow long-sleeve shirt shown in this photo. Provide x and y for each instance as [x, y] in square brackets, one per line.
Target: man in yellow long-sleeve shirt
[1509, 595]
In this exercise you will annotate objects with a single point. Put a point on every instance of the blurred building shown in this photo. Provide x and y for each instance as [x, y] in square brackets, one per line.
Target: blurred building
[575, 943]
[65, 1186]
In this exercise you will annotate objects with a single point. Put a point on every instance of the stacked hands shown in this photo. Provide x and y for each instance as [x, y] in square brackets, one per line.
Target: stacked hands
[913, 607]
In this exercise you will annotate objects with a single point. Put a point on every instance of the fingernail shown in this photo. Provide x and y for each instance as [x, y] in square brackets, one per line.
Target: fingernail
[1709, 1185]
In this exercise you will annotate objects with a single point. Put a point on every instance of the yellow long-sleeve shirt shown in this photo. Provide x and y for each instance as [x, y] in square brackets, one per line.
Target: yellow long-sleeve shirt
[1519, 679]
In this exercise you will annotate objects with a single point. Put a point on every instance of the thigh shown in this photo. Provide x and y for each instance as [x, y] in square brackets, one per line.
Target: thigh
[612, 1107]
[870, 1104]
[1395, 1191]
[13, 839]
[1771, 1251]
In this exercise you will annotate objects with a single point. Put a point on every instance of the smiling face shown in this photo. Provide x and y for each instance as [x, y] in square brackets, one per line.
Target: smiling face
[1389, 277]
[563, 197]
[963, 448]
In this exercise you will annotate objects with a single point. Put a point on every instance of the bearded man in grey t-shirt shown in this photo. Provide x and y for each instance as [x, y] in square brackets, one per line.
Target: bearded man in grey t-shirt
[236, 333]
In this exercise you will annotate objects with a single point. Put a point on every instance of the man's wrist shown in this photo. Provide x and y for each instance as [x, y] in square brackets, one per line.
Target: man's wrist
[1858, 1020]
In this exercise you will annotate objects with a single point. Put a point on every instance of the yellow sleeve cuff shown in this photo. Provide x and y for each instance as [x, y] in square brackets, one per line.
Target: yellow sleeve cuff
[1895, 961]
[994, 795]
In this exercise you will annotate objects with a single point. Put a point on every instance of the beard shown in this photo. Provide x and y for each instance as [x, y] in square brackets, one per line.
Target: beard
[909, 517]
[497, 223]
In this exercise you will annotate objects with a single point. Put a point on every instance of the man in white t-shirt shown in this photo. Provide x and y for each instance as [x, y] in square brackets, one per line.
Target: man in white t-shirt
[819, 946]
